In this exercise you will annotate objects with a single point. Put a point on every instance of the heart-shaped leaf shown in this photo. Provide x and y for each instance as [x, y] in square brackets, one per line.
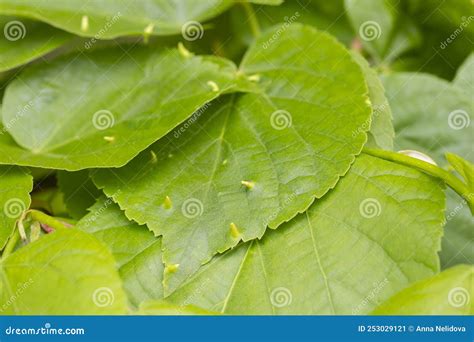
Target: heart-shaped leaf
[249, 161]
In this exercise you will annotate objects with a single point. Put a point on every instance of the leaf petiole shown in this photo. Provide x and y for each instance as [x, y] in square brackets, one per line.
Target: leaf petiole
[252, 18]
[451, 180]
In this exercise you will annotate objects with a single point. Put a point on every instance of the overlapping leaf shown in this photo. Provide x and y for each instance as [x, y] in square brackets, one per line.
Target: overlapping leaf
[25, 40]
[323, 262]
[113, 18]
[447, 293]
[15, 187]
[67, 272]
[249, 161]
[434, 116]
[136, 250]
[381, 132]
[101, 109]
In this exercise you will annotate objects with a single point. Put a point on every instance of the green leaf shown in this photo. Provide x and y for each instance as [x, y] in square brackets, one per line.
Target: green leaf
[136, 250]
[430, 115]
[79, 192]
[127, 101]
[465, 75]
[249, 161]
[113, 18]
[434, 117]
[381, 132]
[163, 308]
[384, 31]
[25, 40]
[464, 168]
[325, 262]
[67, 272]
[15, 187]
[447, 293]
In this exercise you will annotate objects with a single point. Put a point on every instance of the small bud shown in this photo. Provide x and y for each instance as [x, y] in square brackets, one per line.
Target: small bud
[234, 231]
[183, 51]
[213, 85]
[249, 185]
[85, 23]
[167, 204]
[171, 268]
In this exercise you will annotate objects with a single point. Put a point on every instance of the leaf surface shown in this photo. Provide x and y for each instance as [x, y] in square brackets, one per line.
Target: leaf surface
[448, 293]
[249, 161]
[113, 18]
[25, 40]
[163, 308]
[67, 272]
[381, 132]
[119, 103]
[434, 116]
[323, 262]
[136, 250]
[15, 187]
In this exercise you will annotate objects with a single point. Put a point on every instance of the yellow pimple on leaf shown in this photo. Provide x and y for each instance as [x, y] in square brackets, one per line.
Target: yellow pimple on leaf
[213, 85]
[147, 32]
[183, 51]
[109, 139]
[234, 231]
[154, 158]
[171, 268]
[85, 23]
[249, 185]
[368, 102]
[254, 78]
[225, 162]
[167, 204]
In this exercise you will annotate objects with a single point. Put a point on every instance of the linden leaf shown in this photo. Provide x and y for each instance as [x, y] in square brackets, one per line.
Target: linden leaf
[126, 103]
[25, 40]
[323, 262]
[447, 293]
[108, 19]
[15, 187]
[434, 117]
[253, 160]
[381, 132]
[67, 272]
[136, 250]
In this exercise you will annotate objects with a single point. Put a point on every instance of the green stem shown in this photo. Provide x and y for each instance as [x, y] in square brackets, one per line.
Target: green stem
[10, 246]
[252, 17]
[46, 219]
[452, 181]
